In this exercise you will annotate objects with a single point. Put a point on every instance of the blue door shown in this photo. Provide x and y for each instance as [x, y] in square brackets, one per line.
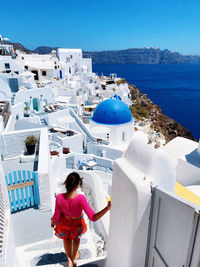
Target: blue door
[13, 83]
[23, 189]
[60, 74]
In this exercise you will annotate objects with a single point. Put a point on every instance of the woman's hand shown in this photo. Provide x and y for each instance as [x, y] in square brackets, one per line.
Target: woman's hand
[99, 214]
[109, 205]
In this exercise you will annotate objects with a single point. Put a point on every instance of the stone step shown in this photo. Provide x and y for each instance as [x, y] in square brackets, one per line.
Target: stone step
[50, 252]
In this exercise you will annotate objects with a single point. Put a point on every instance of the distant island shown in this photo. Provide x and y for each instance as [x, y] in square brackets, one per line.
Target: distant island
[126, 56]
[141, 56]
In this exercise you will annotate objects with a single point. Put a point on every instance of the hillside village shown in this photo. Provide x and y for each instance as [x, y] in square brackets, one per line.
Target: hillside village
[58, 117]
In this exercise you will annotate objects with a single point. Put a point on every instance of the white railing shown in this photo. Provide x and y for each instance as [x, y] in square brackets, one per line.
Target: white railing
[86, 131]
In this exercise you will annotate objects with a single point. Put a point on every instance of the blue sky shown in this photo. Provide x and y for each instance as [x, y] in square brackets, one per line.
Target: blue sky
[104, 24]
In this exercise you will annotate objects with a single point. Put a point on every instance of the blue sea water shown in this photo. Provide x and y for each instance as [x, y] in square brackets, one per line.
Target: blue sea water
[175, 88]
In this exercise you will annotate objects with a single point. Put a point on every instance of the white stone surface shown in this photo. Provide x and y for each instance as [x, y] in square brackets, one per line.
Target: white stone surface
[9, 256]
[12, 143]
[186, 159]
[178, 147]
[43, 171]
[153, 163]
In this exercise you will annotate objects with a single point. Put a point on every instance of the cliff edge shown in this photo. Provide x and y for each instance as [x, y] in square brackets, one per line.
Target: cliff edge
[143, 107]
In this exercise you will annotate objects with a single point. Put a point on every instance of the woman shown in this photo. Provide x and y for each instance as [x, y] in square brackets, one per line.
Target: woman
[68, 218]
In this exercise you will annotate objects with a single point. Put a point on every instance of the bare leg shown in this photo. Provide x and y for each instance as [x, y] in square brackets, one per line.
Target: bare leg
[75, 246]
[78, 255]
[68, 250]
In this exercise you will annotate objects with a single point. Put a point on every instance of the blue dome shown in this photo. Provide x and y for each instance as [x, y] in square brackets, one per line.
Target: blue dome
[112, 111]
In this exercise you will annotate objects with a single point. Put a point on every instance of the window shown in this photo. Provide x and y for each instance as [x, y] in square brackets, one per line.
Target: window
[123, 137]
[67, 59]
[71, 56]
[7, 66]
[26, 67]
[44, 73]
[17, 72]
[22, 58]
[55, 67]
[70, 70]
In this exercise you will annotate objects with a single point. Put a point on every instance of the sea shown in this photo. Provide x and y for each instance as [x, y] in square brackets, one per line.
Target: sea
[174, 87]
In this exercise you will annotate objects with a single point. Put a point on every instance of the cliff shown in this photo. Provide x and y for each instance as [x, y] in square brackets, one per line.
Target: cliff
[143, 107]
[125, 56]
[141, 56]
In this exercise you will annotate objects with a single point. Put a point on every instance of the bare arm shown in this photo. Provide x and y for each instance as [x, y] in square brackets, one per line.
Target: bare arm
[99, 214]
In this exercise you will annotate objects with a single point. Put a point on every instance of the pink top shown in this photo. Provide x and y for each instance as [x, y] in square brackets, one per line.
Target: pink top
[72, 207]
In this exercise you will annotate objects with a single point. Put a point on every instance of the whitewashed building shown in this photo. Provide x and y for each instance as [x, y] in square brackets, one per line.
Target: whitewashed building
[74, 62]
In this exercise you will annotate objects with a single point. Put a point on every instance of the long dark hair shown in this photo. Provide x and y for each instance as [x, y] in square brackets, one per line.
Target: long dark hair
[72, 180]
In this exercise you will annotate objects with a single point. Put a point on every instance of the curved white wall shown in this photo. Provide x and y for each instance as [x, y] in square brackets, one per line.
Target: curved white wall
[116, 132]
[154, 163]
[131, 196]
[5, 92]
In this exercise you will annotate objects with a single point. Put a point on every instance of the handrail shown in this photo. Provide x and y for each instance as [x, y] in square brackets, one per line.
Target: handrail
[86, 131]
[2, 225]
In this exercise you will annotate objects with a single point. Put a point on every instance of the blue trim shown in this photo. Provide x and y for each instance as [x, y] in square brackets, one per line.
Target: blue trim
[113, 124]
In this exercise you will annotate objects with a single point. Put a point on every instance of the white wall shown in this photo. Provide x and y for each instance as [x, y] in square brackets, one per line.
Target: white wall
[18, 109]
[74, 142]
[95, 184]
[5, 92]
[57, 167]
[24, 95]
[187, 174]
[12, 143]
[52, 117]
[154, 163]
[9, 256]
[10, 248]
[67, 53]
[116, 131]
[111, 153]
[43, 171]
[130, 196]
[49, 75]
[28, 123]
[86, 62]
[14, 65]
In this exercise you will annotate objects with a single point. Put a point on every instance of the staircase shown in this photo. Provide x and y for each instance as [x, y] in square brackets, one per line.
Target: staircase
[13, 99]
[43, 121]
[49, 252]
[89, 136]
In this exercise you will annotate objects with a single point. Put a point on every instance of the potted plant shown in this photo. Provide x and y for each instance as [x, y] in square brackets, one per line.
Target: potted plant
[30, 143]
[26, 112]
